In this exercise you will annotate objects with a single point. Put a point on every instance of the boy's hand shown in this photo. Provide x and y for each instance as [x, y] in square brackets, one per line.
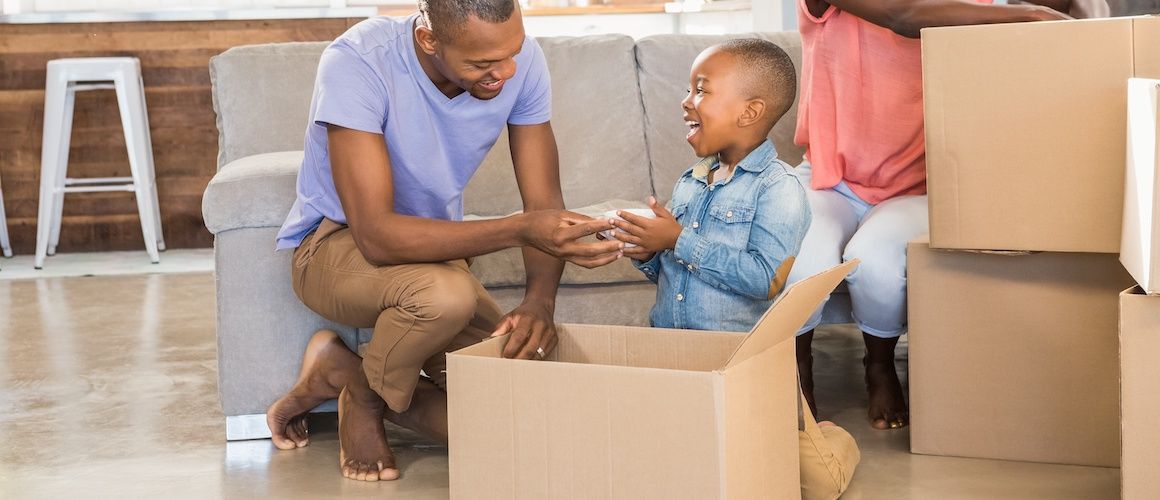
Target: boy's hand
[649, 235]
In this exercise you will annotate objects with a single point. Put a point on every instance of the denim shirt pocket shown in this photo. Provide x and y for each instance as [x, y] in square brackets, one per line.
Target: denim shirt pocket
[678, 211]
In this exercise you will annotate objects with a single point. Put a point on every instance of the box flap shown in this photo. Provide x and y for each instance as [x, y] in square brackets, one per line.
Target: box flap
[1139, 237]
[790, 312]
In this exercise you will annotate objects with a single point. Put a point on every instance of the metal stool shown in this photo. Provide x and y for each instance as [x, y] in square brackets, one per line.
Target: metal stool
[65, 78]
[5, 246]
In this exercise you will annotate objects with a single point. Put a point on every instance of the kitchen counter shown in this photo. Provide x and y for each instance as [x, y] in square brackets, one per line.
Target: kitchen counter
[120, 16]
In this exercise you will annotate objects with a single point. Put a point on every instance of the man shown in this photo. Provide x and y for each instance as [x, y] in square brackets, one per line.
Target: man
[404, 111]
[861, 120]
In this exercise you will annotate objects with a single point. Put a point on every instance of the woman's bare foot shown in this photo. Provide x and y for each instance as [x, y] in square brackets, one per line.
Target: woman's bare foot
[364, 453]
[327, 367]
[887, 405]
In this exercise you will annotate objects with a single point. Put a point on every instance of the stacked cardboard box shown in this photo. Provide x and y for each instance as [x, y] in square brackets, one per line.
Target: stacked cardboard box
[1013, 350]
[635, 413]
[1140, 305]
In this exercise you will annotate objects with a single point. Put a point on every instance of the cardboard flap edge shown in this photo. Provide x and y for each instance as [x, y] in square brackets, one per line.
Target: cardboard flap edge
[797, 302]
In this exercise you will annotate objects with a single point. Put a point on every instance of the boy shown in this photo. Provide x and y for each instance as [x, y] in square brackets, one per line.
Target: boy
[739, 215]
[738, 218]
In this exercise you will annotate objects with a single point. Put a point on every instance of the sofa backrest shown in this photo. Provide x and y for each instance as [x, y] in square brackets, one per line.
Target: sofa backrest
[664, 62]
[261, 95]
[599, 124]
[615, 111]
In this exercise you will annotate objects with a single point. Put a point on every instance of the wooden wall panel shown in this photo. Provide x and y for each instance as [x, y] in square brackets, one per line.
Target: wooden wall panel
[175, 67]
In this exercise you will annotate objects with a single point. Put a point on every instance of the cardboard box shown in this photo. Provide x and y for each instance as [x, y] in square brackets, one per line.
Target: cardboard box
[1025, 131]
[1140, 393]
[635, 413]
[1141, 233]
[1014, 357]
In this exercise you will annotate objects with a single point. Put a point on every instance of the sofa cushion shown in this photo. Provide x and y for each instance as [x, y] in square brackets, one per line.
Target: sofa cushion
[255, 191]
[261, 94]
[599, 123]
[664, 80]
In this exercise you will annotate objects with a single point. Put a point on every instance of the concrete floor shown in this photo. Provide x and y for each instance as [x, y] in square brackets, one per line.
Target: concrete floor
[108, 390]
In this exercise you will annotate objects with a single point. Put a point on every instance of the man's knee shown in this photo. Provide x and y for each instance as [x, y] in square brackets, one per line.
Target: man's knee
[446, 295]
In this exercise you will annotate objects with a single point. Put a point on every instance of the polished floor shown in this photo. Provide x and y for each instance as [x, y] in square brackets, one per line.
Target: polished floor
[108, 390]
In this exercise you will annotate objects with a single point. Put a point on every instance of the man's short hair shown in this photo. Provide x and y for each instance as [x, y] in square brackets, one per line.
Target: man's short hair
[767, 70]
[446, 18]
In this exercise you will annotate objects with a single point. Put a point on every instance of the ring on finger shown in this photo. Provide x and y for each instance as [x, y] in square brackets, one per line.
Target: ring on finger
[540, 353]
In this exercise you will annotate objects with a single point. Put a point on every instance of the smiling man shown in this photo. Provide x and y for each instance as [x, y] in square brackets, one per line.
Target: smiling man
[404, 112]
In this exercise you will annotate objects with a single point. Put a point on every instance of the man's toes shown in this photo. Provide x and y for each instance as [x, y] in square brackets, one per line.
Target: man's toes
[303, 437]
[880, 423]
[387, 474]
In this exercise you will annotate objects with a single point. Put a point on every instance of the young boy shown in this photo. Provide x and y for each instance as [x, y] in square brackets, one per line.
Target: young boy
[739, 215]
[738, 218]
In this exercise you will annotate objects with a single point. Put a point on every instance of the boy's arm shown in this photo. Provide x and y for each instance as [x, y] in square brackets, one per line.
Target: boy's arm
[909, 17]
[758, 270]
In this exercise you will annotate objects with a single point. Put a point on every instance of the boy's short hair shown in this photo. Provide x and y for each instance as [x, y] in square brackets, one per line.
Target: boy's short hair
[767, 70]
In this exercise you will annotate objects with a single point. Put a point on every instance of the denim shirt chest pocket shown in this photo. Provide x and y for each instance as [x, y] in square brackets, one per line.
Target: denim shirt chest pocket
[729, 220]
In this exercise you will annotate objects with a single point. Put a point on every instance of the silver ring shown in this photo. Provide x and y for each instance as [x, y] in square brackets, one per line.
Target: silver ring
[540, 352]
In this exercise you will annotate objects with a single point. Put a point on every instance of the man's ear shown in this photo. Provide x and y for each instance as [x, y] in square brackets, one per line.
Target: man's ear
[425, 38]
[754, 112]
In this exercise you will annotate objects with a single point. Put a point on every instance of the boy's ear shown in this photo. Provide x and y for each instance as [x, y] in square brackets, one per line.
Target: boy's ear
[754, 112]
[426, 39]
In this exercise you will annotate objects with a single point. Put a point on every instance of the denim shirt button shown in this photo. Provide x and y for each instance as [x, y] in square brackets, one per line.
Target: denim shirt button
[696, 224]
[729, 214]
[690, 267]
[680, 297]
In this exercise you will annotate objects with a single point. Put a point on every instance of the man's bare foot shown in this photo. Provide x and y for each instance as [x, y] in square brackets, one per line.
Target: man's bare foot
[805, 364]
[327, 367]
[364, 453]
[887, 405]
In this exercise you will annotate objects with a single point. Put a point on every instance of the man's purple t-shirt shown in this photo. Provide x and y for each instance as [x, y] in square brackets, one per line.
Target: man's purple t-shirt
[370, 80]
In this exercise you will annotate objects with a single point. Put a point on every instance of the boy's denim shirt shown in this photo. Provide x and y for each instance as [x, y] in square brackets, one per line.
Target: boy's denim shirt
[740, 238]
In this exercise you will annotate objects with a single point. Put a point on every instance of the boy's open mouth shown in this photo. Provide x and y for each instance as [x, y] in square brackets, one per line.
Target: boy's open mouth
[694, 127]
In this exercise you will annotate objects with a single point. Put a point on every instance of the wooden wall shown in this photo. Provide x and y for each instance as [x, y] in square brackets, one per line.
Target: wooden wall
[174, 58]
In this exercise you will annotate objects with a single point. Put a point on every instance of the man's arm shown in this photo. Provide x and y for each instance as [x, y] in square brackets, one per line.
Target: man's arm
[537, 169]
[1079, 9]
[362, 175]
[908, 17]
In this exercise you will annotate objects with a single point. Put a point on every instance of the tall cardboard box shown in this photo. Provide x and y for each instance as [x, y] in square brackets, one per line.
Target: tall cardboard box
[635, 413]
[1140, 244]
[1014, 357]
[1025, 131]
[1140, 394]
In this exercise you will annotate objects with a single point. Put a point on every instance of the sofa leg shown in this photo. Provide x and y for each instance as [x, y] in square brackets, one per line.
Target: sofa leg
[245, 427]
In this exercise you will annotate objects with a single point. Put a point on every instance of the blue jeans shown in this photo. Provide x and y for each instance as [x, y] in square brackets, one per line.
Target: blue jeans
[845, 227]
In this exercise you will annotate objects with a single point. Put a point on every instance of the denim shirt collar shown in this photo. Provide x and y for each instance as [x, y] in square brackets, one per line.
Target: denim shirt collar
[755, 161]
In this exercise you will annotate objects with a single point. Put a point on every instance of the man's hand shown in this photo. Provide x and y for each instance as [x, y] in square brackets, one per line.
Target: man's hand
[555, 232]
[649, 235]
[533, 330]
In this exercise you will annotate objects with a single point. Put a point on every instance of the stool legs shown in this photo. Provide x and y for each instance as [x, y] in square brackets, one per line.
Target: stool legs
[5, 245]
[70, 97]
[131, 100]
[55, 97]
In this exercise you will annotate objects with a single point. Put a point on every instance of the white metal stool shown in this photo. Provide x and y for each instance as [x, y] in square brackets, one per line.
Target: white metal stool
[65, 78]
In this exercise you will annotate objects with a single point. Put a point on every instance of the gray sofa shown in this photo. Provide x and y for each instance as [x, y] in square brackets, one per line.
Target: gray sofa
[617, 118]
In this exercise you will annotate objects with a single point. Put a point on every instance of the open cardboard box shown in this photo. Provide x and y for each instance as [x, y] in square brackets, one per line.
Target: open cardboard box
[1140, 243]
[1025, 131]
[620, 412]
[1139, 393]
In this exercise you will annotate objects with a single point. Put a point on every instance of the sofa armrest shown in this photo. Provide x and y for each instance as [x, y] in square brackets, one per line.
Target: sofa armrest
[251, 192]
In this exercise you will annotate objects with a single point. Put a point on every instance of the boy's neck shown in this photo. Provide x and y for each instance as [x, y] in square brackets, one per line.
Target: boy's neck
[729, 157]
